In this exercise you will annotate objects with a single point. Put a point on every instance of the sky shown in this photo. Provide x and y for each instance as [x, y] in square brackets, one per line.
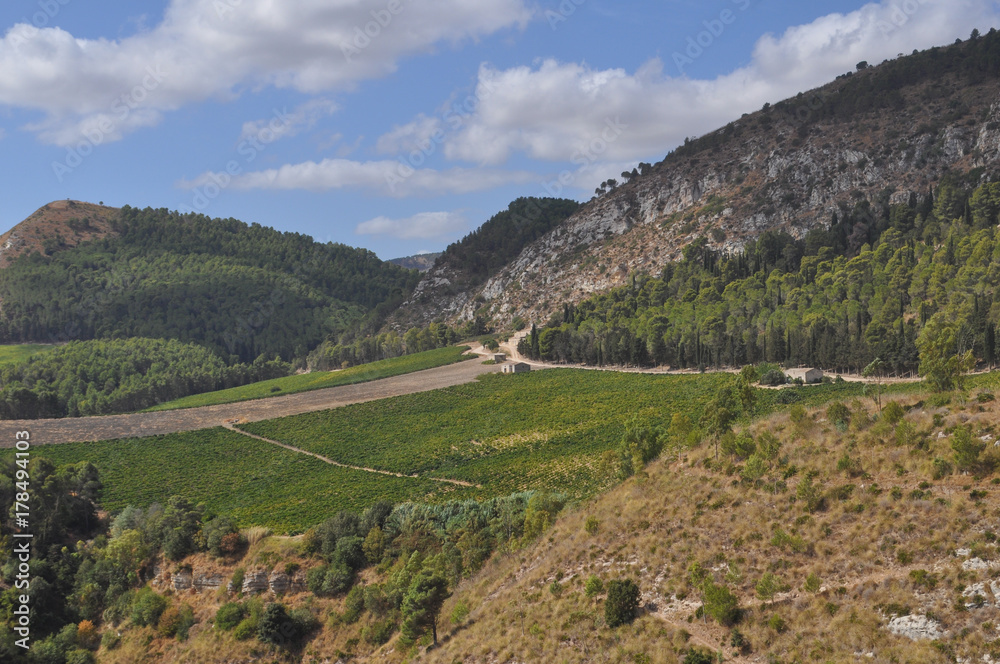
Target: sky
[401, 125]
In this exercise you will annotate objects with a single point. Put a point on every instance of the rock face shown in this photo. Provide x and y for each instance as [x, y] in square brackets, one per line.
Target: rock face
[768, 170]
[255, 582]
[202, 582]
[916, 627]
[182, 579]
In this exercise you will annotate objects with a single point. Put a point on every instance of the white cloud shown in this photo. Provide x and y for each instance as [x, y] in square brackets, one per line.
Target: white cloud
[416, 135]
[283, 124]
[561, 111]
[424, 225]
[216, 48]
[386, 177]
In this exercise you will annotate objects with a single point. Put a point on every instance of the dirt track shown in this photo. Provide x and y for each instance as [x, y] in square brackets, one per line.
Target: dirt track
[86, 429]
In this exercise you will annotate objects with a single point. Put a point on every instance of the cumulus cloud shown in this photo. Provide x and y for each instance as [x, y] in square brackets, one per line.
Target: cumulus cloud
[216, 48]
[424, 225]
[385, 177]
[561, 111]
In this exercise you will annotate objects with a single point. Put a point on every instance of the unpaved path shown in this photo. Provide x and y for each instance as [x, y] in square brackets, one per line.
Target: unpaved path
[330, 461]
[133, 425]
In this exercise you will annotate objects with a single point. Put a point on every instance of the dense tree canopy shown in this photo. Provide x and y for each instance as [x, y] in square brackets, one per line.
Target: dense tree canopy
[238, 289]
[864, 287]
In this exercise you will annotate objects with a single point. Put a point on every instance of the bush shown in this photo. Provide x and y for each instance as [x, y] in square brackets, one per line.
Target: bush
[176, 621]
[354, 604]
[79, 656]
[893, 412]
[229, 616]
[699, 656]
[721, 604]
[592, 525]
[110, 639]
[940, 468]
[460, 612]
[379, 632]
[593, 586]
[147, 607]
[777, 623]
[773, 377]
[276, 626]
[813, 583]
[967, 449]
[838, 413]
[237, 581]
[246, 629]
[622, 602]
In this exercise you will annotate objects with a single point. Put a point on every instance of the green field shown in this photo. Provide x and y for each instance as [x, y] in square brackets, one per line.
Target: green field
[541, 430]
[12, 354]
[320, 379]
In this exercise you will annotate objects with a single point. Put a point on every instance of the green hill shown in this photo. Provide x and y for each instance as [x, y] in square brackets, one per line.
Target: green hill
[241, 290]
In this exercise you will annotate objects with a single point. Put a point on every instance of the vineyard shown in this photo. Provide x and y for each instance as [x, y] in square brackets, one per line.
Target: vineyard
[541, 430]
[317, 380]
[255, 482]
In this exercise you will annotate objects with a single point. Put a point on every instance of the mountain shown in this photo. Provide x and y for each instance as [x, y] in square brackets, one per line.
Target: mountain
[419, 262]
[884, 134]
[58, 225]
[79, 271]
[450, 285]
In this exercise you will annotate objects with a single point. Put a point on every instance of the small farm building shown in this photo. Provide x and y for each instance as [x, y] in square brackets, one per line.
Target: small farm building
[516, 367]
[807, 375]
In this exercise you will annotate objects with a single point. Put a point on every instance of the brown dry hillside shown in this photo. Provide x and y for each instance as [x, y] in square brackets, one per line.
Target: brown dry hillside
[58, 225]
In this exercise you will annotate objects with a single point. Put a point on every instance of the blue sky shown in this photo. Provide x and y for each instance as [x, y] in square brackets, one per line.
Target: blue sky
[401, 125]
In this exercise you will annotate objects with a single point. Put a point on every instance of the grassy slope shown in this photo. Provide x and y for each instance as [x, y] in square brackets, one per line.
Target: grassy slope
[319, 379]
[862, 545]
[14, 353]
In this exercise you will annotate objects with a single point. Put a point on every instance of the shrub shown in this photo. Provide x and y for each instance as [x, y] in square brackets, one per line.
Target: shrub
[229, 616]
[246, 629]
[838, 412]
[940, 468]
[176, 621]
[110, 639]
[237, 581]
[622, 602]
[276, 626]
[798, 414]
[813, 583]
[593, 586]
[777, 623]
[460, 612]
[86, 634]
[773, 377]
[967, 449]
[147, 607]
[592, 525]
[354, 604]
[699, 656]
[379, 632]
[893, 412]
[79, 656]
[721, 604]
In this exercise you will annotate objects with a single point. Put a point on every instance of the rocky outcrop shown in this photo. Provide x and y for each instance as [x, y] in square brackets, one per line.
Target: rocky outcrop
[255, 582]
[182, 579]
[916, 627]
[201, 582]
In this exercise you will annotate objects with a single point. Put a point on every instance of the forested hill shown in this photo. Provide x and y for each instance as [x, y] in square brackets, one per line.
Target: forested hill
[914, 285]
[238, 289]
[465, 265]
[885, 133]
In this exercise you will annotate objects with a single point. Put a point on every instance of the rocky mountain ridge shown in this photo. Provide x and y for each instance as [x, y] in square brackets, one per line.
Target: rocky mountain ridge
[788, 167]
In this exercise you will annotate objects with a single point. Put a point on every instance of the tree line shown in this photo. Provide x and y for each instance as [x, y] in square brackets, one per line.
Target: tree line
[120, 375]
[892, 282]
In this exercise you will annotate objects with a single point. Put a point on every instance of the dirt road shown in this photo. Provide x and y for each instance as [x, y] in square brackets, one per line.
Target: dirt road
[86, 429]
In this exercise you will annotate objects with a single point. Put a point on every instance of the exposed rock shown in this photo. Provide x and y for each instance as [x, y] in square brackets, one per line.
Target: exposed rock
[976, 564]
[182, 579]
[206, 581]
[255, 582]
[279, 582]
[916, 627]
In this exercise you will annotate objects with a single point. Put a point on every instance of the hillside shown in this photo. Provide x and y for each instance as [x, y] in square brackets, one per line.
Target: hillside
[58, 225]
[887, 134]
[241, 290]
[419, 262]
[449, 286]
[839, 532]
